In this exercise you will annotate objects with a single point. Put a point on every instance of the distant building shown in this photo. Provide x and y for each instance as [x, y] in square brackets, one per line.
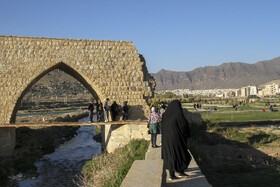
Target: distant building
[229, 94]
[244, 91]
[219, 94]
[238, 93]
[248, 90]
[271, 89]
[253, 90]
[261, 93]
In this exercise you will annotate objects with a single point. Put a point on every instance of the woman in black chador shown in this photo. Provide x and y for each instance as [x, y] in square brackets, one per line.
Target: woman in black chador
[175, 131]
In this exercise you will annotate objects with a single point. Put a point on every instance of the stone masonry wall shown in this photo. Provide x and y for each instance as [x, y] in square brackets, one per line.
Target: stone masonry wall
[116, 136]
[110, 69]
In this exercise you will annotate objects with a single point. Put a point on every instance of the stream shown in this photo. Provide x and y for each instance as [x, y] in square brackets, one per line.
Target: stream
[63, 166]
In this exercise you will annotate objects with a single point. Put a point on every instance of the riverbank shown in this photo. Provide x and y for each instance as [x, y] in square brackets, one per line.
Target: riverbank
[110, 169]
[33, 144]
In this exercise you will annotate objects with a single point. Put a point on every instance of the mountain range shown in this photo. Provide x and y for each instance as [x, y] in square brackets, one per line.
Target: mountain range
[226, 75]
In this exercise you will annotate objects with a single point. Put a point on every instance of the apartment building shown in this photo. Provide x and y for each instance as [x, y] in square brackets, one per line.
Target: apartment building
[271, 89]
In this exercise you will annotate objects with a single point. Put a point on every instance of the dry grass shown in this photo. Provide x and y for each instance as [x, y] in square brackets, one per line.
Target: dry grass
[230, 156]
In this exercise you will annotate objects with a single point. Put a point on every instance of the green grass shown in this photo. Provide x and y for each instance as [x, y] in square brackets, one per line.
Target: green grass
[110, 169]
[253, 138]
[240, 116]
[229, 108]
[97, 129]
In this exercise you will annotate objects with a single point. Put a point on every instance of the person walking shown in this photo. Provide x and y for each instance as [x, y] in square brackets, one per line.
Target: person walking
[90, 111]
[175, 131]
[106, 110]
[99, 110]
[153, 125]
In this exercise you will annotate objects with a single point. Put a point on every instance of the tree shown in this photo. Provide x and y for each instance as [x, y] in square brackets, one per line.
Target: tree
[185, 95]
[226, 100]
[154, 103]
[169, 95]
[247, 100]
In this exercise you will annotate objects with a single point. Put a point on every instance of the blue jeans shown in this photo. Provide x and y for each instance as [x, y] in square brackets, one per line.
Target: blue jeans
[90, 115]
[106, 115]
[153, 139]
[99, 115]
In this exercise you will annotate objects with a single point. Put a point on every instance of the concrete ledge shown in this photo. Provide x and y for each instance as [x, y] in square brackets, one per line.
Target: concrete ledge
[195, 178]
[144, 173]
[150, 172]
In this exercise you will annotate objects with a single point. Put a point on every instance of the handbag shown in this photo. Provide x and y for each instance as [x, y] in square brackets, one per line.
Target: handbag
[149, 132]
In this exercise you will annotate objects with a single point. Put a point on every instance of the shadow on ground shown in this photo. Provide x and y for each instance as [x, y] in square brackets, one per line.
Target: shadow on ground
[227, 162]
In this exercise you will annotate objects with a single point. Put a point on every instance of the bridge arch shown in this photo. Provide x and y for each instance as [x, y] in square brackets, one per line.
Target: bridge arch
[112, 69]
[94, 90]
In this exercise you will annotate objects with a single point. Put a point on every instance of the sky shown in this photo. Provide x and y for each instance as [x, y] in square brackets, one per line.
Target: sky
[177, 35]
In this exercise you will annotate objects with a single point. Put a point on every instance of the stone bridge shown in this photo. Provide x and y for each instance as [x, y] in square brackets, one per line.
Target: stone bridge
[108, 69]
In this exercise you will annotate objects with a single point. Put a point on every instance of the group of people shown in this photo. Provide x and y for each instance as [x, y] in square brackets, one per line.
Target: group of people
[170, 122]
[175, 130]
[103, 111]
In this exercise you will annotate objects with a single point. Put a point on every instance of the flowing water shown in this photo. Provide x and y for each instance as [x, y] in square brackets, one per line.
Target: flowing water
[63, 166]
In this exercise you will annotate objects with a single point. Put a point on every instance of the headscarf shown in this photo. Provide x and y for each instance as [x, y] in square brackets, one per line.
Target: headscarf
[154, 117]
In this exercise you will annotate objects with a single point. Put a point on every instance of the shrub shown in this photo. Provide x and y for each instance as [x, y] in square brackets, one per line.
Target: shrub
[109, 169]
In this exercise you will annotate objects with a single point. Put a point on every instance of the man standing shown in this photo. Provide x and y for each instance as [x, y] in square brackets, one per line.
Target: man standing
[125, 111]
[99, 109]
[90, 111]
[107, 109]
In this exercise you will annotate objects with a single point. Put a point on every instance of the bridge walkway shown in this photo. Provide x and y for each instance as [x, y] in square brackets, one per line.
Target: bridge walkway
[150, 172]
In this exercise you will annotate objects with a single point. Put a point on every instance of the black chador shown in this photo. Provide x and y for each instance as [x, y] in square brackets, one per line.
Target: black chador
[175, 131]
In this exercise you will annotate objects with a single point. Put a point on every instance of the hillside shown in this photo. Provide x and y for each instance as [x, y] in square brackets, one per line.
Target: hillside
[227, 75]
[262, 86]
[57, 83]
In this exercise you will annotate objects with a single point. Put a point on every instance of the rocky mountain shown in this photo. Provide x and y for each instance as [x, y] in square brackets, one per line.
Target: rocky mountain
[227, 75]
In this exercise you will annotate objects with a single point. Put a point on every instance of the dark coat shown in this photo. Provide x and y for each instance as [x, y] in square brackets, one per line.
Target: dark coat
[99, 106]
[90, 106]
[175, 131]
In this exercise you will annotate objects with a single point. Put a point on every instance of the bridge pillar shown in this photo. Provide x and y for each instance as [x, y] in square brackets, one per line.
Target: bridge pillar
[116, 136]
[7, 141]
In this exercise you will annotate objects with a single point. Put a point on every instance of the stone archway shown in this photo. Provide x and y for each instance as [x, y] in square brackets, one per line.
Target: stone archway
[112, 69]
[62, 66]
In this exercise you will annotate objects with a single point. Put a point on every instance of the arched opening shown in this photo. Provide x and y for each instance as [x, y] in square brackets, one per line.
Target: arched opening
[60, 66]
